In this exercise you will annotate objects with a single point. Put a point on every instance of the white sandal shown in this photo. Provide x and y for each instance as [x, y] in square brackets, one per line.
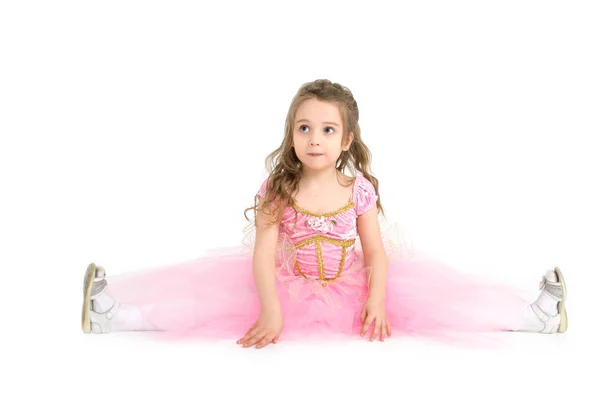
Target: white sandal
[94, 284]
[558, 291]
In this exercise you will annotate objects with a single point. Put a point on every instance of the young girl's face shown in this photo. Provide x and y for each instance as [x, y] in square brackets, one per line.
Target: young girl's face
[318, 134]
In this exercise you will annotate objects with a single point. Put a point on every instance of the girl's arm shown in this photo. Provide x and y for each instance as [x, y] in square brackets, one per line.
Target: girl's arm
[269, 324]
[263, 259]
[374, 252]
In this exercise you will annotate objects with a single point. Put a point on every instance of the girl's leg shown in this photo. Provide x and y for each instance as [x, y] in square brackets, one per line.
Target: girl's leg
[102, 313]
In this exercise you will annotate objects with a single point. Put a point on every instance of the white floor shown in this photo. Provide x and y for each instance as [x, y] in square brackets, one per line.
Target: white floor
[128, 369]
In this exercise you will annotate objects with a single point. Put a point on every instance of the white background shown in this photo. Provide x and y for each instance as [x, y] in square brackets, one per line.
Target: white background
[133, 134]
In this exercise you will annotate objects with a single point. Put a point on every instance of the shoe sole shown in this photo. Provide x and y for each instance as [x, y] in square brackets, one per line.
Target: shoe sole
[562, 310]
[88, 281]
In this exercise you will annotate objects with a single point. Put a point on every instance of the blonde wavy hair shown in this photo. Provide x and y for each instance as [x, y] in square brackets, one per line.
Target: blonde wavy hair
[284, 167]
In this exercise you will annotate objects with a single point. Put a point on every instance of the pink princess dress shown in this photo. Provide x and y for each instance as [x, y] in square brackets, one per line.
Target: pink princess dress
[322, 283]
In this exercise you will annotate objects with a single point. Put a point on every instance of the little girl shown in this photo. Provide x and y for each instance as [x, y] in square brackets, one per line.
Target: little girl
[320, 263]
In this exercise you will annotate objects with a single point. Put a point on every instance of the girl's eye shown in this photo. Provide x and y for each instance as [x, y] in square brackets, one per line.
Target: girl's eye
[328, 127]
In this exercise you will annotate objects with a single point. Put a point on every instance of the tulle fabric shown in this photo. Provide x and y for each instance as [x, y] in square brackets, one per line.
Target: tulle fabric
[214, 296]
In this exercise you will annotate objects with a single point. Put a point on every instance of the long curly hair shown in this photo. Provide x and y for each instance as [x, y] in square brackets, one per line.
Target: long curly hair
[283, 165]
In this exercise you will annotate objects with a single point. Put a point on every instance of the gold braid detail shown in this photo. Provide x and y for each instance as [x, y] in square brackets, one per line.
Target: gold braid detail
[344, 244]
[326, 215]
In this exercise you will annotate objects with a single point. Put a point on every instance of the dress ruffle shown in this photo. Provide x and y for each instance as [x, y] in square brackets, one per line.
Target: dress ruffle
[214, 296]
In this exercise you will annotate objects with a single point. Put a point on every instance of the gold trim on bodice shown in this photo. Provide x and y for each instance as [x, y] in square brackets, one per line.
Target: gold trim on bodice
[344, 208]
[326, 215]
[317, 240]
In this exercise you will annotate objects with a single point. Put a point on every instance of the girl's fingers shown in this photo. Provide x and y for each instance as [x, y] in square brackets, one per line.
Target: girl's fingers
[255, 338]
[363, 315]
[276, 338]
[389, 328]
[248, 335]
[251, 337]
[265, 341]
[383, 331]
[366, 325]
[376, 329]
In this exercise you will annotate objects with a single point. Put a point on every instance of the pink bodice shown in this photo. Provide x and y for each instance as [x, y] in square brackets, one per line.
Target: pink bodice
[325, 243]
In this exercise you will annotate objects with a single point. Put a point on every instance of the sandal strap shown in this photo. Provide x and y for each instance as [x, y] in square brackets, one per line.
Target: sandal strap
[98, 288]
[553, 288]
[100, 321]
[540, 313]
[550, 322]
[100, 274]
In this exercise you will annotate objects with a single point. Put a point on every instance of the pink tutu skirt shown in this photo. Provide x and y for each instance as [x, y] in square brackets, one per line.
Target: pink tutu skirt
[214, 296]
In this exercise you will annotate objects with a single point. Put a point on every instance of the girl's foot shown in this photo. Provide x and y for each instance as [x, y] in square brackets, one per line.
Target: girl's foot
[98, 308]
[101, 313]
[549, 307]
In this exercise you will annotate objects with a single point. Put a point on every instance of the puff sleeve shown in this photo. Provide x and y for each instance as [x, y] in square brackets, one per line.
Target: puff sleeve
[365, 196]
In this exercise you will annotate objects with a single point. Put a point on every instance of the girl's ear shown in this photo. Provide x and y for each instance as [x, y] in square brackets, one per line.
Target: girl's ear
[346, 145]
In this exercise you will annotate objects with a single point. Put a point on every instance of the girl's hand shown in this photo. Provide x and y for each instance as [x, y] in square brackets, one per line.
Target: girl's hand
[373, 312]
[266, 330]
